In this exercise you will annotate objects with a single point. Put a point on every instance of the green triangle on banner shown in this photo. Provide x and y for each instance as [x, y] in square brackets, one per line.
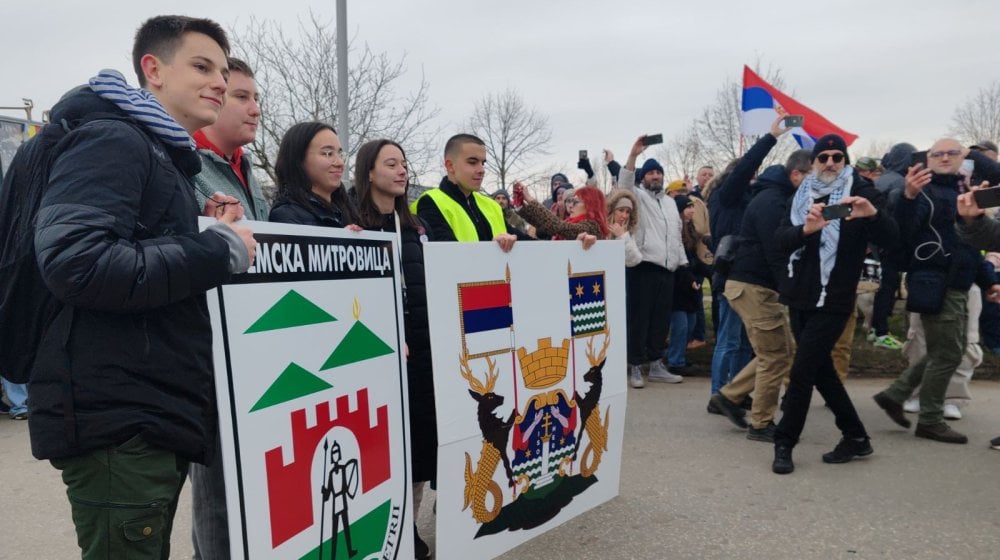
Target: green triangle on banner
[293, 383]
[292, 310]
[359, 344]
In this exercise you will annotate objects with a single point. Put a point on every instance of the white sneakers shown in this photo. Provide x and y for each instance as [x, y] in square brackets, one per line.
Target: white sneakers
[951, 411]
[659, 373]
[635, 378]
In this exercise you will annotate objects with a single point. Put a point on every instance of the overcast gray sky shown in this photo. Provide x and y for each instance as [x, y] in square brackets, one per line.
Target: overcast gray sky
[602, 72]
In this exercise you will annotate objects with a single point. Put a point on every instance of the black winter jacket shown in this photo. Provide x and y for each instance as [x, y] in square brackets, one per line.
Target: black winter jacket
[423, 420]
[964, 265]
[287, 211]
[117, 241]
[759, 260]
[802, 290]
[730, 199]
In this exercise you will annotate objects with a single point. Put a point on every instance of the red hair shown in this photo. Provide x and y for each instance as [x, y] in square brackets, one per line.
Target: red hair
[593, 200]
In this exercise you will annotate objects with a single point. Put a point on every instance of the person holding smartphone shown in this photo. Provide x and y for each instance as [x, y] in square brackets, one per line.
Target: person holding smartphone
[824, 266]
[947, 267]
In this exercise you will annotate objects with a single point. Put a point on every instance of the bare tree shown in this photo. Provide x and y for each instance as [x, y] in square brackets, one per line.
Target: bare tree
[978, 118]
[297, 77]
[512, 131]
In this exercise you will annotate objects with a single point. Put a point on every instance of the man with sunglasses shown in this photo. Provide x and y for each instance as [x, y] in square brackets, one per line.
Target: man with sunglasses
[926, 214]
[834, 215]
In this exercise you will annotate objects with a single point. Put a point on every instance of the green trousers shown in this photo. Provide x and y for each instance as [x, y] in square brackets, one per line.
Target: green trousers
[946, 335]
[123, 499]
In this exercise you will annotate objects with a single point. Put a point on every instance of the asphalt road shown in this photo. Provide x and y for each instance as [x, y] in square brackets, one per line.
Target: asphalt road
[692, 487]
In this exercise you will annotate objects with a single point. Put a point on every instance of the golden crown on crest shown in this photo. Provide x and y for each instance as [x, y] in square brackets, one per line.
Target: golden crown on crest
[546, 366]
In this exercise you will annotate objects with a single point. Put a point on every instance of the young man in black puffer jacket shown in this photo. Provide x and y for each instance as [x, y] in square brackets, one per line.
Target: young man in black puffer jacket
[122, 391]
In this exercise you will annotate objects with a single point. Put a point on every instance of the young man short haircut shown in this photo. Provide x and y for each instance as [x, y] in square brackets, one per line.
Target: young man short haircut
[121, 392]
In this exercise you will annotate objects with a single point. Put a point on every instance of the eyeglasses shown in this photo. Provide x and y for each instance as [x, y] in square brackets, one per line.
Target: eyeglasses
[837, 158]
[943, 153]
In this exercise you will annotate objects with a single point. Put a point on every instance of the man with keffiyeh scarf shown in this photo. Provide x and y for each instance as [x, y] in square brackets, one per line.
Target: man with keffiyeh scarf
[122, 391]
[824, 266]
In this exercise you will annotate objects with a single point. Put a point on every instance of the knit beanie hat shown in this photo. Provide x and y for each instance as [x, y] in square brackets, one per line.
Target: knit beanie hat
[682, 201]
[831, 142]
[650, 165]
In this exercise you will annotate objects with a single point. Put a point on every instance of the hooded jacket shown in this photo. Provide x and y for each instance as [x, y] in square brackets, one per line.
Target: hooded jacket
[729, 200]
[659, 233]
[117, 242]
[758, 259]
[632, 254]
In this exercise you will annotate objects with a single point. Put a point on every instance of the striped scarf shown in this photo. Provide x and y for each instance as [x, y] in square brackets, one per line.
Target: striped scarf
[142, 106]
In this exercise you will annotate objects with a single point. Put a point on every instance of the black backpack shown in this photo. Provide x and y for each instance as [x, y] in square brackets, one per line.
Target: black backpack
[27, 307]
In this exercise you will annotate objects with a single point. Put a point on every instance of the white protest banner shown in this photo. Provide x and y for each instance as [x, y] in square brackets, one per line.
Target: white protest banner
[311, 386]
[529, 382]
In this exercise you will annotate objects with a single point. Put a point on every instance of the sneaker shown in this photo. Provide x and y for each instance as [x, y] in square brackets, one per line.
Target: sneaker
[660, 374]
[952, 412]
[19, 416]
[995, 443]
[940, 432]
[849, 449]
[887, 341]
[912, 405]
[762, 434]
[635, 378]
[892, 408]
[782, 460]
[731, 411]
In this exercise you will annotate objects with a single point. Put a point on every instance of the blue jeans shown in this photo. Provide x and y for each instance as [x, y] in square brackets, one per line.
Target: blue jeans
[698, 331]
[17, 394]
[681, 326]
[732, 347]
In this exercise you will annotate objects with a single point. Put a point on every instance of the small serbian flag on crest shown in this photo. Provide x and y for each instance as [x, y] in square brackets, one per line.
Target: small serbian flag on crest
[762, 103]
[588, 313]
[487, 318]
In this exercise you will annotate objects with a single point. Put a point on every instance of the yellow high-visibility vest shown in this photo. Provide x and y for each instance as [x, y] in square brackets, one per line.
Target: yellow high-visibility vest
[458, 219]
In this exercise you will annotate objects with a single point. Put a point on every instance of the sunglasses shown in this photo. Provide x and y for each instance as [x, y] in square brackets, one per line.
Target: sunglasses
[837, 158]
[942, 153]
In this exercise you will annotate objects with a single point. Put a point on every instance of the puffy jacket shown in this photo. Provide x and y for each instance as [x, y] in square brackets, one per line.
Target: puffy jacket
[317, 213]
[420, 372]
[117, 241]
[758, 259]
[729, 200]
[659, 233]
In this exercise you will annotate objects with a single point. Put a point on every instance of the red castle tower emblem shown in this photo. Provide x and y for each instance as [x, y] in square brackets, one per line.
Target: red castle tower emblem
[289, 486]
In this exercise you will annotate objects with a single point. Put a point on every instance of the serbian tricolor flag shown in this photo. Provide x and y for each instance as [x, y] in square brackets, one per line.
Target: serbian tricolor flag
[762, 103]
[487, 318]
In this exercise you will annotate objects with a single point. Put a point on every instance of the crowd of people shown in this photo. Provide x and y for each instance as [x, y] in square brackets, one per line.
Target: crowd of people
[123, 391]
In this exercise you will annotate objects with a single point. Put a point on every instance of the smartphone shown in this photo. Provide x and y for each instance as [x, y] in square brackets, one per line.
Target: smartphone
[837, 211]
[794, 121]
[987, 198]
[583, 155]
[919, 157]
[651, 139]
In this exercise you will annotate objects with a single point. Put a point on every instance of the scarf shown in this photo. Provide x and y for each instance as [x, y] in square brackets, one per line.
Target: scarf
[813, 189]
[573, 220]
[142, 106]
